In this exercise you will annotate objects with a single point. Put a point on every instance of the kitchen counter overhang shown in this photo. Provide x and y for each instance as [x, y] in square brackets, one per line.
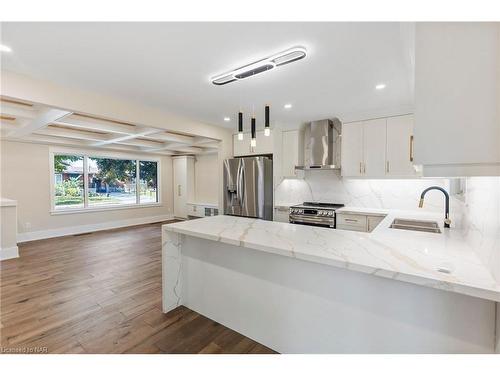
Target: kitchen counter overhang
[401, 255]
[302, 289]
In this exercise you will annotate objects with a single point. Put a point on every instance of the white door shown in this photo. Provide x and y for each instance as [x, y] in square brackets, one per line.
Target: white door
[180, 197]
[352, 149]
[374, 141]
[399, 146]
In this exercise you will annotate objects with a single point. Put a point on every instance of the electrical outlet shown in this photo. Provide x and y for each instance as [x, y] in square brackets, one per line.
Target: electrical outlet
[27, 225]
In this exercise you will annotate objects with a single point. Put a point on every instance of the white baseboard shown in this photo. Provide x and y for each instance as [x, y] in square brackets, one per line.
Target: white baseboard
[67, 231]
[9, 253]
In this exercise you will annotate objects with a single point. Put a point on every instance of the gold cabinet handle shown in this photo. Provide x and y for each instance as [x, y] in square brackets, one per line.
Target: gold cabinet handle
[360, 168]
[387, 166]
[411, 147]
[351, 220]
[179, 190]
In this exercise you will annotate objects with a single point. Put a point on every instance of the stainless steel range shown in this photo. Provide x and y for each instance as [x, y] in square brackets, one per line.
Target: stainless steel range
[314, 213]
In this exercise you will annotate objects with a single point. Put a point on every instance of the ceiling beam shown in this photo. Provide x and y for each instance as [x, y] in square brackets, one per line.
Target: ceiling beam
[42, 120]
[142, 143]
[74, 134]
[18, 111]
[187, 149]
[95, 124]
[174, 146]
[202, 141]
[170, 137]
[46, 139]
[140, 132]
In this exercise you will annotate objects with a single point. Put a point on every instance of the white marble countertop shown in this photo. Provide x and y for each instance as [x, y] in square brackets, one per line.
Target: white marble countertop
[397, 254]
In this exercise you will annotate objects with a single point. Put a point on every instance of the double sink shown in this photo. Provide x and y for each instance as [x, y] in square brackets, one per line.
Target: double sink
[416, 225]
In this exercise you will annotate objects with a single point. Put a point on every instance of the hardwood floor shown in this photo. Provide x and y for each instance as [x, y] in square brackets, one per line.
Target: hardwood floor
[101, 293]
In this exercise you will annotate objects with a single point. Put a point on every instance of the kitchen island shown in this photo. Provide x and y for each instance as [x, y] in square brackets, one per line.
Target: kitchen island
[304, 289]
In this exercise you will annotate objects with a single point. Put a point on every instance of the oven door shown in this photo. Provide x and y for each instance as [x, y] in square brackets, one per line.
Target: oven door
[312, 220]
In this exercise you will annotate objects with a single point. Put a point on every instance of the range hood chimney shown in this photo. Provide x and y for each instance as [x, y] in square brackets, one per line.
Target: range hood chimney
[322, 140]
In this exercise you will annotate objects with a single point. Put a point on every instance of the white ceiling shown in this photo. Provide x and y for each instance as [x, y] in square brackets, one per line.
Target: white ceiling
[169, 65]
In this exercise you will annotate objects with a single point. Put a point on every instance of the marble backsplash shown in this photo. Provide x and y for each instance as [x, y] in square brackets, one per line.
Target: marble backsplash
[481, 222]
[404, 194]
[476, 213]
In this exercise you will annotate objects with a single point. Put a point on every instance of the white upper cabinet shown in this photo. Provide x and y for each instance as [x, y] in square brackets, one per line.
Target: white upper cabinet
[457, 98]
[242, 148]
[374, 140]
[352, 149]
[378, 148]
[292, 152]
[399, 152]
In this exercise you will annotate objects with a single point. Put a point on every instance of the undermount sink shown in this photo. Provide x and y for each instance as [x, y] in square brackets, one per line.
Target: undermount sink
[416, 225]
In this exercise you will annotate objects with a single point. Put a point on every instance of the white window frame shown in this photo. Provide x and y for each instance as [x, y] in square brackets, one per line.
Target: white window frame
[108, 155]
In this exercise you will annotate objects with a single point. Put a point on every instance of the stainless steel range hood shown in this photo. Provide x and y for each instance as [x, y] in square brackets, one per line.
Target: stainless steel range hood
[322, 140]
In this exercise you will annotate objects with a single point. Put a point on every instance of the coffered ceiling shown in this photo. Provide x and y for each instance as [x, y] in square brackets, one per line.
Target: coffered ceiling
[21, 120]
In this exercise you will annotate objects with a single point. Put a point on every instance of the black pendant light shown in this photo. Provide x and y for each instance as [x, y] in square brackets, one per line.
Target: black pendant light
[267, 130]
[253, 142]
[240, 126]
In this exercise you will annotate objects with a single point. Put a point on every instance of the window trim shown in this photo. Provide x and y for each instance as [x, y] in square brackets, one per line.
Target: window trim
[102, 154]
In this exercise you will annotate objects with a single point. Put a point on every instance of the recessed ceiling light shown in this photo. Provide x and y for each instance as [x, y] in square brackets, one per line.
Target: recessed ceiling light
[287, 106]
[260, 66]
[227, 119]
[5, 48]
[380, 86]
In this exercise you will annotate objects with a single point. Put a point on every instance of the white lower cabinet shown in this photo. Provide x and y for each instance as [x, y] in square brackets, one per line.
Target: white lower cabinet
[373, 221]
[281, 214]
[378, 148]
[196, 210]
[359, 222]
[352, 222]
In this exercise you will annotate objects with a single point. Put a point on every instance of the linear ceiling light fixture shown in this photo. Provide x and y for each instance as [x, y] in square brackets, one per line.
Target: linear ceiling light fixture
[260, 66]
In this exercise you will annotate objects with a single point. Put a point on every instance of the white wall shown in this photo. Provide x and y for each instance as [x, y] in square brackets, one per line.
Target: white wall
[207, 186]
[26, 178]
[482, 220]
[8, 229]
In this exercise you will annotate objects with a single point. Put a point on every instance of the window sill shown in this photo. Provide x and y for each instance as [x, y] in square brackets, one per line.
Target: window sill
[99, 209]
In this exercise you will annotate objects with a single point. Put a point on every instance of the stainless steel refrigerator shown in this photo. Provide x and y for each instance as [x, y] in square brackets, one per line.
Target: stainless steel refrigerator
[248, 187]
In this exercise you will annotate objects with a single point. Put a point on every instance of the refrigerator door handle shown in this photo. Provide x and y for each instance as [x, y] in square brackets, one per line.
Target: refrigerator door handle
[240, 178]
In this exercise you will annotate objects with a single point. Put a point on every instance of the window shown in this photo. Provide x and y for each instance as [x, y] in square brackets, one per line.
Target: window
[68, 176]
[90, 182]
